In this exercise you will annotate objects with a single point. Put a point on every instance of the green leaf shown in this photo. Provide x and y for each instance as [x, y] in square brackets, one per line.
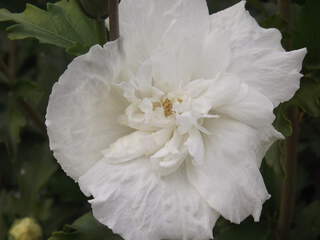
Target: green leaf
[273, 182]
[63, 24]
[275, 157]
[97, 9]
[308, 97]
[65, 188]
[282, 123]
[85, 228]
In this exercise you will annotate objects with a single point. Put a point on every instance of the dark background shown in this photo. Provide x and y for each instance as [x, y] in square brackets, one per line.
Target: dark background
[33, 185]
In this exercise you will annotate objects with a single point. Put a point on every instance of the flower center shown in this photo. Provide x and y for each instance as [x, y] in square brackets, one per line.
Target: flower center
[153, 110]
[167, 107]
[171, 123]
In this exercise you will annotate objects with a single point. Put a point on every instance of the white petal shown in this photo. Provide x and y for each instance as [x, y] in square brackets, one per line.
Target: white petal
[136, 144]
[217, 92]
[139, 205]
[185, 121]
[195, 146]
[226, 95]
[169, 163]
[173, 67]
[168, 32]
[142, 80]
[257, 56]
[169, 158]
[83, 110]
[229, 179]
[250, 107]
[159, 22]
[215, 54]
[172, 146]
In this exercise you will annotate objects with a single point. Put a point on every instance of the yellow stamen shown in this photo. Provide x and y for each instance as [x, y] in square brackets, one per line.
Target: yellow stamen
[167, 107]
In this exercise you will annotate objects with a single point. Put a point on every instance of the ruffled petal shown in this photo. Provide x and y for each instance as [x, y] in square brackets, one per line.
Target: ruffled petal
[169, 158]
[229, 179]
[83, 110]
[213, 93]
[195, 146]
[136, 144]
[257, 56]
[168, 32]
[214, 54]
[139, 205]
[160, 22]
[249, 107]
[226, 95]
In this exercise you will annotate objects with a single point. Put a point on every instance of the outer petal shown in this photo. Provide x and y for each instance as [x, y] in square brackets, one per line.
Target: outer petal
[139, 205]
[214, 55]
[160, 22]
[83, 110]
[225, 95]
[257, 56]
[249, 107]
[229, 179]
[169, 32]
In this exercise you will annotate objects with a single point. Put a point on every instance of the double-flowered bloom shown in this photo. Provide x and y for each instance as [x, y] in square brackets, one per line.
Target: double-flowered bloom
[166, 127]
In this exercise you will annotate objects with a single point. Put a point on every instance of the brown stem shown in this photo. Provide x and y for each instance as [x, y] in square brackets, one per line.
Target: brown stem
[114, 19]
[287, 203]
[285, 10]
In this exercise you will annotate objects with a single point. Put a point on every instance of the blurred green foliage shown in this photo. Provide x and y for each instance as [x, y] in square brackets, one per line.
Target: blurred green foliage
[63, 24]
[33, 185]
[85, 228]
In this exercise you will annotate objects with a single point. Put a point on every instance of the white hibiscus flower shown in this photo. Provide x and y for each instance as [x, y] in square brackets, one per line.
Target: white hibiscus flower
[166, 127]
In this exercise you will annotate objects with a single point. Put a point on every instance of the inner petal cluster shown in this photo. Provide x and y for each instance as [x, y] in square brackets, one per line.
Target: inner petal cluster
[165, 127]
